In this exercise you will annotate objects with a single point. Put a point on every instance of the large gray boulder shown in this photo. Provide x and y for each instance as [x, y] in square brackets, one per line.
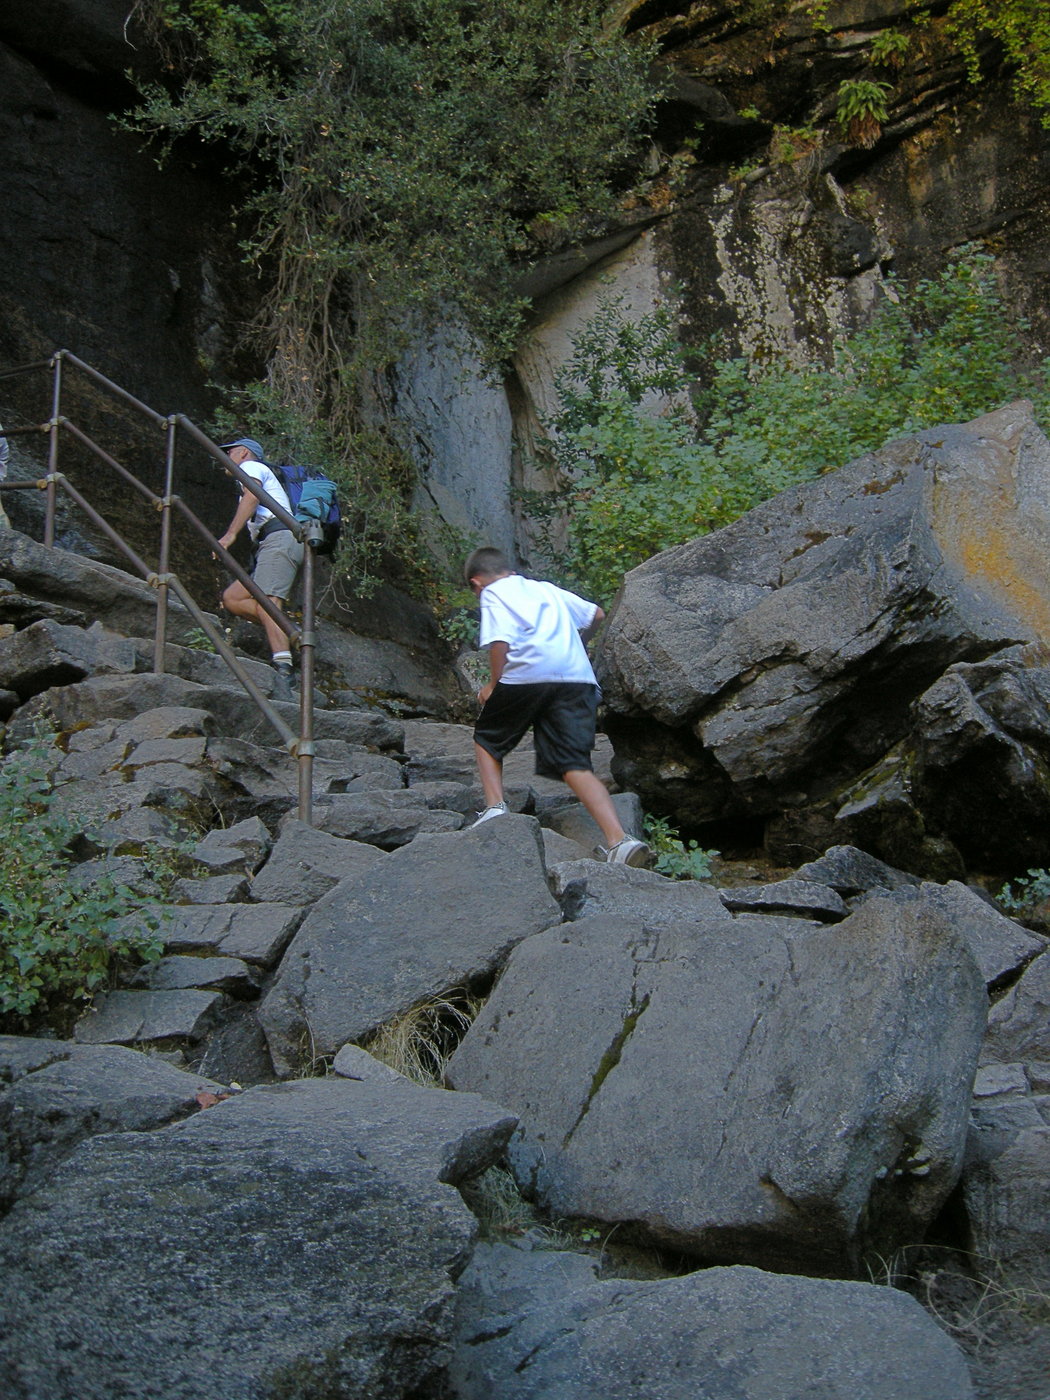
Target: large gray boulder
[979, 757]
[1006, 1193]
[48, 653]
[433, 917]
[969, 782]
[760, 1089]
[1002, 947]
[769, 664]
[306, 863]
[54, 1093]
[293, 1241]
[107, 595]
[723, 1334]
[587, 887]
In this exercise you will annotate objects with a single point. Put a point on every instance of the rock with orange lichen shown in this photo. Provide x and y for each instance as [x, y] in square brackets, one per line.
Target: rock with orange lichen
[770, 667]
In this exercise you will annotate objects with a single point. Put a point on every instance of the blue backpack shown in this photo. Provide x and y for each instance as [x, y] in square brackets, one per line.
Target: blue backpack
[313, 496]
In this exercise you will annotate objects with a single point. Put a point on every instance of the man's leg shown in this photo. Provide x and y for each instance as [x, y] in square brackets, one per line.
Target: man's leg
[239, 601]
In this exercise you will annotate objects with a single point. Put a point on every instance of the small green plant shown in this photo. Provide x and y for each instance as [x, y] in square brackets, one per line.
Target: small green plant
[460, 626]
[743, 172]
[861, 109]
[59, 939]
[1024, 894]
[198, 640]
[889, 47]
[790, 143]
[681, 860]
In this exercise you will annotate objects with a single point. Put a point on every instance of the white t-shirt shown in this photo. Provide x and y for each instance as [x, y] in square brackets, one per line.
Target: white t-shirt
[271, 484]
[541, 624]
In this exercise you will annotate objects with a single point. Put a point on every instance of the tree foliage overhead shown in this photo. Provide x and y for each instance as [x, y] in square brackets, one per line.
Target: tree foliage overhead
[403, 160]
[403, 153]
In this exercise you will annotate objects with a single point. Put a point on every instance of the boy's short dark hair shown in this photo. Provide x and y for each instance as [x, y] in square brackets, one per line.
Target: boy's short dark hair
[486, 562]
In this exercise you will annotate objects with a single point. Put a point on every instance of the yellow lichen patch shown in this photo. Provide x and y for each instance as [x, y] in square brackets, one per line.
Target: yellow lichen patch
[1007, 567]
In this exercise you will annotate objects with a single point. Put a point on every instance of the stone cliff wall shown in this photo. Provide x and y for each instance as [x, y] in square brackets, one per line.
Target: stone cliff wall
[133, 268]
[777, 247]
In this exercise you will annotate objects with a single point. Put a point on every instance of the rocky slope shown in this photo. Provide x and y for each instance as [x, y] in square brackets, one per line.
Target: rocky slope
[763, 1087]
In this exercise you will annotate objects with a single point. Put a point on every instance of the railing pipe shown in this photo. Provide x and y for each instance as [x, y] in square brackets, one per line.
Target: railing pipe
[115, 389]
[164, 553]
[100, 452]
[103, 525]
[52, 451]
[288, 738]
[27, 369]
[306, 690]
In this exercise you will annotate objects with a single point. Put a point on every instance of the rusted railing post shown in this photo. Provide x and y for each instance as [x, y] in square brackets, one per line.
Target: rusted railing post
[164, 557]
[52, 450]
[307, 641]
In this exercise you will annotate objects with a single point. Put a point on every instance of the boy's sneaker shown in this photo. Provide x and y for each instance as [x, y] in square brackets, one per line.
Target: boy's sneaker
[629, 851]
[282, 682]
[500, 810]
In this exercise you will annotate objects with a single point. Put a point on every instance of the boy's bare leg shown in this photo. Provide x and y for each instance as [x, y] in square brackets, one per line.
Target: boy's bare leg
[490, 771]
[594, 795]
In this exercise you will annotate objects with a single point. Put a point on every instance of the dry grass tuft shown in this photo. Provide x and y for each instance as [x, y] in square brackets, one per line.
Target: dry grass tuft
[420, 1043]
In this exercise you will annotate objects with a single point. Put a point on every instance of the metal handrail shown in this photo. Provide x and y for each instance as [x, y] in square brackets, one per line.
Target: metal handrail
[162, 579]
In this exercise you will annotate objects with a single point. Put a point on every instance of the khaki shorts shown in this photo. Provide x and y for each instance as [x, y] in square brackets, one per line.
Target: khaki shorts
[278, 559]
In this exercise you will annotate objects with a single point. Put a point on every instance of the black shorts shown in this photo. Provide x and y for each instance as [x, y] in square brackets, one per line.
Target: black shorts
[562, 715]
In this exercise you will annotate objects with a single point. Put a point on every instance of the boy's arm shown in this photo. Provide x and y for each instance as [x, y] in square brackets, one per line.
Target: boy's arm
[596, 621]
[497, 660]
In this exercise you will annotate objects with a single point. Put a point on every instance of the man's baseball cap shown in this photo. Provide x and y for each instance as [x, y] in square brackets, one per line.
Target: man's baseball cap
[253, 447]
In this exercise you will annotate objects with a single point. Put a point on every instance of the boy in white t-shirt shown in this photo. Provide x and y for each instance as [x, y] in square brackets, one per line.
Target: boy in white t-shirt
[541, 677]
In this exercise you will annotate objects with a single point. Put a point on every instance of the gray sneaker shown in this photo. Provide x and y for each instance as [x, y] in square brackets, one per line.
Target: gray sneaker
[281, 689]
[499, 810]
[629, 851]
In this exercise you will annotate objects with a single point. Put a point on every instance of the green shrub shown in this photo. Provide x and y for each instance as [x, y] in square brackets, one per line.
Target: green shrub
[1022, 28]
[59, 938]
[1024, 894]
[397, 162]
[638, 479]
[681, 860]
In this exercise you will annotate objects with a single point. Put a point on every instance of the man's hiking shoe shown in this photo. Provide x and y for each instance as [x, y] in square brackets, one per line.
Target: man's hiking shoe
[500, 810]
[629, 851]
[282, 683]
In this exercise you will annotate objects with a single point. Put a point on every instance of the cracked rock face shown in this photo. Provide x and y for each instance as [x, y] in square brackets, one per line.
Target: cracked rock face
[765, 1089]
